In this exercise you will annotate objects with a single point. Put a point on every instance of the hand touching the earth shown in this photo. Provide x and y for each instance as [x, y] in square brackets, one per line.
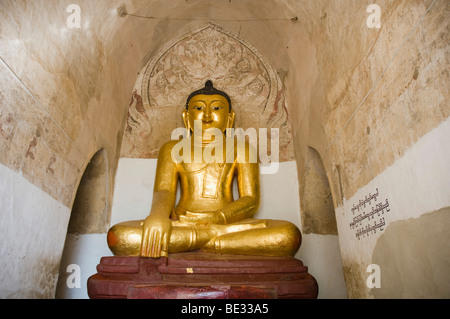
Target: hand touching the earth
[156, 232]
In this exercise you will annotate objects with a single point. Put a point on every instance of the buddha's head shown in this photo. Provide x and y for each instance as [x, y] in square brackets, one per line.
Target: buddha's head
[211, 106]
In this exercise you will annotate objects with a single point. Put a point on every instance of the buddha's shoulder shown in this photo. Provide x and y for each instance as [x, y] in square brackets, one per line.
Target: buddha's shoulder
[245, 151]
[169, 145]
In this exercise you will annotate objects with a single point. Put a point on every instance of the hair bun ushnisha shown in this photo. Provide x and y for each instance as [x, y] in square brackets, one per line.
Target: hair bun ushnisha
[209, 89]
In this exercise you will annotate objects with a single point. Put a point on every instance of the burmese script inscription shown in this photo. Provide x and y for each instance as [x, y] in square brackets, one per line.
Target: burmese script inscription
[369, 215]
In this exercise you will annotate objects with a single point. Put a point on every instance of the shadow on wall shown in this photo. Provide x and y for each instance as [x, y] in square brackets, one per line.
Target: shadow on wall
[414, 257]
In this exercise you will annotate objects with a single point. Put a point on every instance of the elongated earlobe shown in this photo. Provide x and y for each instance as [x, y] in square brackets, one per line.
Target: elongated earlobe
[231, 116]
[230, 124]
[185, 116]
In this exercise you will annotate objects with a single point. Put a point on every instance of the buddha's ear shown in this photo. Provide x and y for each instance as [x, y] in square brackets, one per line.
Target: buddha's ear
[185, 115]
[231, 117]
[230, 124]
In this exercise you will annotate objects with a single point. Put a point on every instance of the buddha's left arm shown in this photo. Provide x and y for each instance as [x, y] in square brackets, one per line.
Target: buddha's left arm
[249, 190]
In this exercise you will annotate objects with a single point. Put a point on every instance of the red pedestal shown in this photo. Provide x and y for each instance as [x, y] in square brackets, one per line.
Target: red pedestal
[198, 275]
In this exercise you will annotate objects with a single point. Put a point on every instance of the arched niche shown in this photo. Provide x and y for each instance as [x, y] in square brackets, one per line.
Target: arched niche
[318, 215]
[85, 239]
[89, 210]
[183, 65]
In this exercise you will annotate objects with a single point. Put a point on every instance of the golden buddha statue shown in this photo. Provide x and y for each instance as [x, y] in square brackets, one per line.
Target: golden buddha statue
[207, 217]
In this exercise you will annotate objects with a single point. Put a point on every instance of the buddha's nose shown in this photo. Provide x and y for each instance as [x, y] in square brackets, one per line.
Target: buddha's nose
[207, 115]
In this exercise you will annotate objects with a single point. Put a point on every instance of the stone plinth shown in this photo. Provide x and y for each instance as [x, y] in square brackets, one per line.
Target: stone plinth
[197, 275]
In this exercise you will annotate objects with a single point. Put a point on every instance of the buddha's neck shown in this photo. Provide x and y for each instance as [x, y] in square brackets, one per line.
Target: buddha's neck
[201, 140]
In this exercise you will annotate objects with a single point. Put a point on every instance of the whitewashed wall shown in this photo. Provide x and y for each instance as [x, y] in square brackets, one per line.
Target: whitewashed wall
[85, 251]
[416, 184]
[32, 231]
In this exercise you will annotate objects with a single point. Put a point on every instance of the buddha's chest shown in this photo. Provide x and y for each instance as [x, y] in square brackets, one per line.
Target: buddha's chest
[206, 180]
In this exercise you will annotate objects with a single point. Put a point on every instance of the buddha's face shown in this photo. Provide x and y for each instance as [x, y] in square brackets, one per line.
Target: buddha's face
[212, 110]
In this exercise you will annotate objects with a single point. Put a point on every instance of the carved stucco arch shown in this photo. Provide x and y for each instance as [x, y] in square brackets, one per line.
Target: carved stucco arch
[183, 65]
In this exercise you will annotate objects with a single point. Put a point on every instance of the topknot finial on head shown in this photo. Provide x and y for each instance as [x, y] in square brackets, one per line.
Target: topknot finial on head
[209, 89]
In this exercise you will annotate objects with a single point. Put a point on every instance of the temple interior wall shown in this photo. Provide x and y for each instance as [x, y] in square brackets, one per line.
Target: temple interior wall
[372, 102]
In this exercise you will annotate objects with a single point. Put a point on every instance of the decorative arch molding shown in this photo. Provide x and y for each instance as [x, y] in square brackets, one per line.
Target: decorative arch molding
[183, 65]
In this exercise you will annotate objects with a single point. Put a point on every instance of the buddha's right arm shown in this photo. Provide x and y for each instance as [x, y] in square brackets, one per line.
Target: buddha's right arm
[157, 226]
[162, 203]
[165, 188]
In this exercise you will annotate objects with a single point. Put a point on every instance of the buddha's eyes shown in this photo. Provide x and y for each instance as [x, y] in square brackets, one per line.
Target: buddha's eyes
[199, 108]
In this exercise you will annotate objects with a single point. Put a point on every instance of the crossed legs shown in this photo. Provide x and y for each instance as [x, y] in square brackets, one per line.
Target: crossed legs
[248, 237]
